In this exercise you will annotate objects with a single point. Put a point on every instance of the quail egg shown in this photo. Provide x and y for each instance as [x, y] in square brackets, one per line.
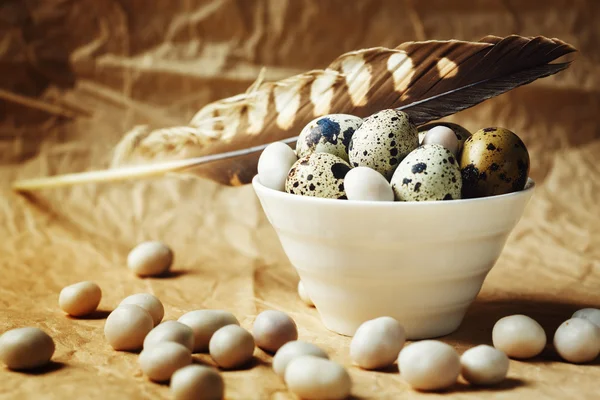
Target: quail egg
[318, 175]
[382, 141]
[494, 161]
[328, 134]
[461, 133]
[428, 173]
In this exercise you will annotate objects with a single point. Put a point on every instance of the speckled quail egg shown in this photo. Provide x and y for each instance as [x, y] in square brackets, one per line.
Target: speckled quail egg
[428, 173]
[494, 161]
[382, 141]
[318, 175]
[328, 134]
[461, 133]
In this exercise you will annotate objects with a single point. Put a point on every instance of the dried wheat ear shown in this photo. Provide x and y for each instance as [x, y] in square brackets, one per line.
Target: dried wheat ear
[428, 80]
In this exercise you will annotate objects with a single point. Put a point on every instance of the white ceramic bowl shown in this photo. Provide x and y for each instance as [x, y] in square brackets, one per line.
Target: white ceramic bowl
[422, 263]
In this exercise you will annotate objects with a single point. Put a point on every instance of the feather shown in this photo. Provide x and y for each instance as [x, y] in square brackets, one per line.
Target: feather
[428, 80]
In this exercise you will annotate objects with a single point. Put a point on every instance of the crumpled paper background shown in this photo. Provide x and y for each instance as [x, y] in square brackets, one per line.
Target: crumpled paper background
[76, 75]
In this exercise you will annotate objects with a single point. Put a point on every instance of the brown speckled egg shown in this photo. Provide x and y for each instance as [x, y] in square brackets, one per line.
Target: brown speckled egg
[428, 173]
[382, 141]
[318, 175]
[494, 161]
[328, 134]
[461, 133]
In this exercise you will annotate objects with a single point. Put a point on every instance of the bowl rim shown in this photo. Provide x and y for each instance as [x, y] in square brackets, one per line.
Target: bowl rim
[284, 196]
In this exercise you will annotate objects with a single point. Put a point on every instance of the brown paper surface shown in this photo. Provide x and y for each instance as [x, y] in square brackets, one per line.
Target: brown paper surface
[86, 71]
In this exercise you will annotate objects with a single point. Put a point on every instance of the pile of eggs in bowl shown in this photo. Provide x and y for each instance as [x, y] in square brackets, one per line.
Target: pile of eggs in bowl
[384, 157]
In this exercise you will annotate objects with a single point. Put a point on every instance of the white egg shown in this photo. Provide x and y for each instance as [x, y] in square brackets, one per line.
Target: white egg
[461, 133]
[484, 365]
[364, 183]
[205, 323]
[274, 165]
[428, 173]
[577, 340]
[591, 314]
[148, 302]
[292, 350]
[160, 361]
[328, 134]
[197, 382]
[170, 331]
[231, 346]
[443, 136]
[272, 329]
[377, 343]
[519, 336]
[429, 365]
[150, 258]
[313, 378]
[26, 348]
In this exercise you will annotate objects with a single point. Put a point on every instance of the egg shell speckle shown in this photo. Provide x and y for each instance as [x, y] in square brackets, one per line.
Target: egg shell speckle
[494, 161]
[428, 173]
[318, 175]
[382, 141]
[328, 134]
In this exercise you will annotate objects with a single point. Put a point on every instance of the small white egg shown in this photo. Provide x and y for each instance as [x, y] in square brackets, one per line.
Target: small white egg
[364, 183]
[429, 365]
[311, 377]
[591, 314]
[377, 343]
[274, 164]
[519, 336]
[443, 136]
[272, 329]
[461, 133]
[148, 302]
[26, 348]
[160, 361]
[484, 365]
[171, 331]
[197, 382]
[577, 340]
[80, 299]
[290, 351]
[127, 326]
[304, 295]
[150, 259]
[231, 346]
[205, 323]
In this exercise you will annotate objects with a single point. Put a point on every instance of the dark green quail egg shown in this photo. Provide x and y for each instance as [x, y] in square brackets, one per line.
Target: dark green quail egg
[494, 161]
[382, 141]
[328, 134]
[428, 173]
[318, 175]
[461, 133]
